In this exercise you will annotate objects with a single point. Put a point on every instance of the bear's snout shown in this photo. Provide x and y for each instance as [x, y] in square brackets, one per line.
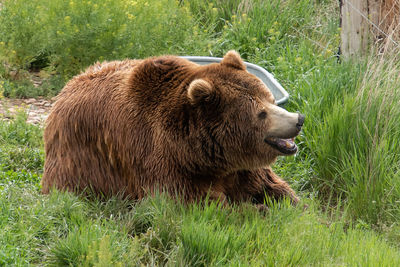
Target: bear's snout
[284, 124]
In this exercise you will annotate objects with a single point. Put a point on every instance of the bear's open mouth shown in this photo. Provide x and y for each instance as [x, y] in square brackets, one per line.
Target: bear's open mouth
[286, 146]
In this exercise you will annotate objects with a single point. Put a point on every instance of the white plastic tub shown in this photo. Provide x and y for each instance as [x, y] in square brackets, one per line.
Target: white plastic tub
[280, 94]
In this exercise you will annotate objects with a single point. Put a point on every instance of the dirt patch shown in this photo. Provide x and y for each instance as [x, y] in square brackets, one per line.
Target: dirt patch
[36, 109]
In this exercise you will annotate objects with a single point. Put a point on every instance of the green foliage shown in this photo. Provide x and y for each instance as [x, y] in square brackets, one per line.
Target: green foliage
[67, 36]
[348, 156]
[284, 237]
[265, 26]
[17, 89]
[62, 229]
[24, 88]
[356, 156]
[18, 132]
[21, 153]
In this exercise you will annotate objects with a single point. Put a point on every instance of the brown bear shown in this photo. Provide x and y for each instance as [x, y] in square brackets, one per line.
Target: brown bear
[135, 127]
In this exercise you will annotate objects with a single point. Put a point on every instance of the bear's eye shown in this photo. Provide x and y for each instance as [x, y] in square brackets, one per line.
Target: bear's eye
[262, 115]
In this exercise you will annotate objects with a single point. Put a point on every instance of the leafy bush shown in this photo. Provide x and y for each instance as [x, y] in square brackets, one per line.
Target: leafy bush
[67, 36]
[23, 87]
[18, 89]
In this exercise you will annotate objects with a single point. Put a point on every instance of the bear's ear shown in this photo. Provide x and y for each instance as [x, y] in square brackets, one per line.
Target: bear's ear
[199, 90]
[232, 59]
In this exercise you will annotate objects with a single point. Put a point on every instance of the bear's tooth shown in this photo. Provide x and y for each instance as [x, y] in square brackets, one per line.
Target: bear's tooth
[288, 144]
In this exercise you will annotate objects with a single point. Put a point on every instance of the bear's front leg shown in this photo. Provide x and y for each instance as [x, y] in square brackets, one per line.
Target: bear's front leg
[255, 185]
[275, 187]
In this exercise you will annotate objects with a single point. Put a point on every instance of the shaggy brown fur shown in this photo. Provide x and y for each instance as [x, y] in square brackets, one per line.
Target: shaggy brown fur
[165, 124]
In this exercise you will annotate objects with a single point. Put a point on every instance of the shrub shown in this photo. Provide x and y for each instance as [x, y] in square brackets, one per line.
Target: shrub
[67, 36]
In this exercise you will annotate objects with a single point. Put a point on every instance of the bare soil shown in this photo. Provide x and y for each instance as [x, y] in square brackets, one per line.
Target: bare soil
[36, 109]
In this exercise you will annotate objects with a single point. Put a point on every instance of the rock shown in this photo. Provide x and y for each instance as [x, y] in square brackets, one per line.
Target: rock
[33, 107]
[30, 101]
[37, 109]
[34, 119]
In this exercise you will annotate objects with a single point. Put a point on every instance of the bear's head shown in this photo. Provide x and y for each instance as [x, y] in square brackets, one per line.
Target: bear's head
[240, 116]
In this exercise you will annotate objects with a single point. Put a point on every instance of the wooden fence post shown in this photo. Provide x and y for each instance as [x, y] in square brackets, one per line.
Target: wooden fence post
[367, 22]
[354, 27]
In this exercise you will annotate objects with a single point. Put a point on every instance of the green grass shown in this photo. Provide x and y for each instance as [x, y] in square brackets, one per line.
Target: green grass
[63, 229]
[356, 156]
[346, 171]
[21, 153]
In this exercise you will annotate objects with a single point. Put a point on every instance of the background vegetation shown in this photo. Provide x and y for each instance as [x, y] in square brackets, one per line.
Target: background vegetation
[346, 171]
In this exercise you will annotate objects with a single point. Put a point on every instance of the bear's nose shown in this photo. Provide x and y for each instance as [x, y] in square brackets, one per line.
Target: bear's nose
[300, 121]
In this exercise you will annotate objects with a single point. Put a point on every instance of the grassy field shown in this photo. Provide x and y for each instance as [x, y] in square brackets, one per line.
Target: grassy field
[346, 170]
